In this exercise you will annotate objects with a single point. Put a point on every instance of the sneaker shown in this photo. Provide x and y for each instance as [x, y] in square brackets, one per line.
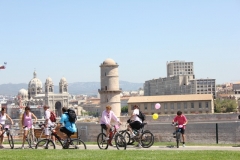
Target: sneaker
[106, 138]
[1, 147]
[22, 147]
[133, 135]
[183, 145]
[139, 145]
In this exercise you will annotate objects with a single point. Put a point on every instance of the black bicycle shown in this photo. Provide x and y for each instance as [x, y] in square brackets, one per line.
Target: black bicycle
[178, 133]
[119, 140]
[68, 143]
[9, 135]
[144, 137]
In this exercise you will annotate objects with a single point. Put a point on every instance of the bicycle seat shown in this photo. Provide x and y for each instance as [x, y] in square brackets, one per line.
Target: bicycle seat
[142, 125]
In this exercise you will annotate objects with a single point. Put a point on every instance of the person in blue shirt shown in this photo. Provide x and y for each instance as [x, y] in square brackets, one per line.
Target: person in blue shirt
[67, 127]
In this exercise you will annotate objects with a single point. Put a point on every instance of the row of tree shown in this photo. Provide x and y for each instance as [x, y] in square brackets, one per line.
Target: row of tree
[224, 106]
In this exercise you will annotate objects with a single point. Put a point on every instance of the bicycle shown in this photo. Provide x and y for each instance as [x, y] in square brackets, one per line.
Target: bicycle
[119, 140]
[68, 143]
[31, 139]
[144, 137]
[178, 133]
[9, 135]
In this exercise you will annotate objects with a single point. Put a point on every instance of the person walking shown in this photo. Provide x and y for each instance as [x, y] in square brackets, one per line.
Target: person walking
[181, 119]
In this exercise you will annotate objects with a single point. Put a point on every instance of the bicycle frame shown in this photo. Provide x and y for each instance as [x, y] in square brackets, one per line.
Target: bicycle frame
[9, 135]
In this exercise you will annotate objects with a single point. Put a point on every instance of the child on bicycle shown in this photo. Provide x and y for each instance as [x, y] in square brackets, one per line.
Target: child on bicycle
[180, 119]
[3, 117]
[27, 123]
[107, 116]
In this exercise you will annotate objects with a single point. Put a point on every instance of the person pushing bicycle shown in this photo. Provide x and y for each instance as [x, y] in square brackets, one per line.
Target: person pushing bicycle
[107, 116]
[3, 117]
[180, 119]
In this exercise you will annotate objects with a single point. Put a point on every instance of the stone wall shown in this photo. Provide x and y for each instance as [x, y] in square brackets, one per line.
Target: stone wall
[200, 129]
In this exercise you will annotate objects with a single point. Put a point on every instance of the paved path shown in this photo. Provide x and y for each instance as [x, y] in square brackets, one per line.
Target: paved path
[195, 148]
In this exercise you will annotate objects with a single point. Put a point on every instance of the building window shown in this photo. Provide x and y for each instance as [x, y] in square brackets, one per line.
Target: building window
[206, 104]
[145, 106]
[200, 105]
[172, 106]
[179, 106]
[192, 105]
[185, 105]
[165, 106]
[152, 106]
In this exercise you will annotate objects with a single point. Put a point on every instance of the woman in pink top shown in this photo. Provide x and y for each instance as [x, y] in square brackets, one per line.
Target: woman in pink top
[181, 120]
[27, 123]
[107, 116]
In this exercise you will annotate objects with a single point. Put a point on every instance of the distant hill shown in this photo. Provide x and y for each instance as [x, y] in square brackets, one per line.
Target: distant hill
[89, 88]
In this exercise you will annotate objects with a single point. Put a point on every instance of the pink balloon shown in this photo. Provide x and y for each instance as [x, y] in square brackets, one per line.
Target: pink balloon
[157, 106]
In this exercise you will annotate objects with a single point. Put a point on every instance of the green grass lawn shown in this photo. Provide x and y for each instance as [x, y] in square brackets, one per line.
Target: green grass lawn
[117, 155]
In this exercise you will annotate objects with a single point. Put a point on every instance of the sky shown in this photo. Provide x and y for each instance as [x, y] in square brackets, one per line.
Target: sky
[72, 38]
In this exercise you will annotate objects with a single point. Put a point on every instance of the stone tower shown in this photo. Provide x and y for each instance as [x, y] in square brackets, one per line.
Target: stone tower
[110, 91]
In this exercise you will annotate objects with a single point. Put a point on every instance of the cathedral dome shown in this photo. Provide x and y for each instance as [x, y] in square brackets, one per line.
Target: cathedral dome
[35, 82]
[63, 80]
[22, 92]
[49, 80]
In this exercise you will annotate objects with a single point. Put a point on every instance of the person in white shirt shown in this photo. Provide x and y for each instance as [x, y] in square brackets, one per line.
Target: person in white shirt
[107, 116]
[48, 122]
[3, 117]
[135, 121]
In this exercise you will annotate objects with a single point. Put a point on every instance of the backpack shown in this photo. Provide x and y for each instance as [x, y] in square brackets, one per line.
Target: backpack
[52, 116]
[142, 116]
[72, 115]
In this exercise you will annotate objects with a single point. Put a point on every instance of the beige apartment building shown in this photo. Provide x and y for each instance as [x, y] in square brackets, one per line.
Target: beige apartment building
[180, 80]
[170, 104]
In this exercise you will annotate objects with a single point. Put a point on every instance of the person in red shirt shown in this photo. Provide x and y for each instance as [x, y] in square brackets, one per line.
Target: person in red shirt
[180, 119]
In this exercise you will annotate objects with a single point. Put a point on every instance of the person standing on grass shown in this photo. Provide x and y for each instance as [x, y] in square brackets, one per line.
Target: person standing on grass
[3, 117]
[48, 123]
[180, 119]
[27, 123]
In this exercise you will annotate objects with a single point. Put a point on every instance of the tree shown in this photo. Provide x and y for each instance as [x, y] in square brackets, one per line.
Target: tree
[124, 109]
[224, 106]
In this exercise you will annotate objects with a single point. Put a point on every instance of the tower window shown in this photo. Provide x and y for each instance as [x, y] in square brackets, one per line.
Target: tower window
[105, 87]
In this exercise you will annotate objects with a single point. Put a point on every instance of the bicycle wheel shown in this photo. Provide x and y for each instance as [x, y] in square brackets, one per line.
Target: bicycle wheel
[31, 139]
[126, 136]
[77, 144]
[102, 143]
[147, 139]
[45, 144]
[178, 138]
[120, 142]
[10, 140]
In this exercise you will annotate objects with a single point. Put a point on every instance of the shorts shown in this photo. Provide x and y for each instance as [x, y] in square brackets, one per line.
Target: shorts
[105, 127]
[47, 130]
[135, 125]
[182, 131]
[66, 131]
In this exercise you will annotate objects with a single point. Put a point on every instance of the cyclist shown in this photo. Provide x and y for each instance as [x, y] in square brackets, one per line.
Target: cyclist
[3, 117]
[67, 127]
[107, 116]
[27, 123]
[135, 122]
[181, 120]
